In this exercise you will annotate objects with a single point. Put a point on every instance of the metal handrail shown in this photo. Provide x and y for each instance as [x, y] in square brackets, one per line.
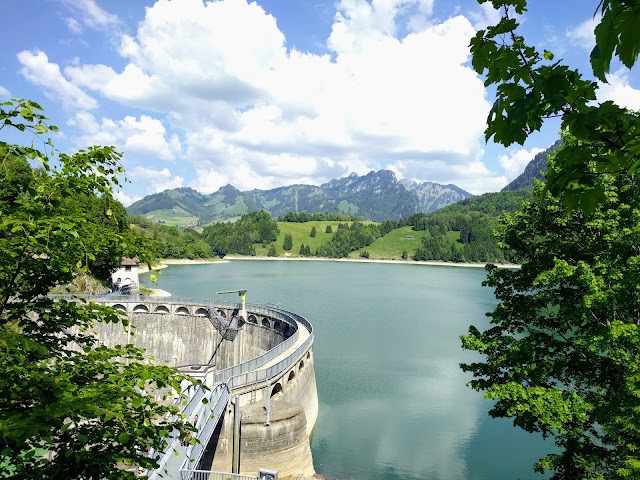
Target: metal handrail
[213, 411]
[220, 381]
[207, 475]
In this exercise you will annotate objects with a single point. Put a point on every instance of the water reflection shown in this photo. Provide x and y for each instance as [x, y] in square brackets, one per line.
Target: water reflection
[393, 402]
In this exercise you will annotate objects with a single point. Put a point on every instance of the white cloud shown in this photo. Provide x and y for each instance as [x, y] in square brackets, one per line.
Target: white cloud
[582, 35]
[73, 25]
[356, 21]
[485, 16]
[619, 90]
[155, 180]
[91, 14]
[126, 200]
[515, 162]
[4, 93]
[208, 180]
[145, 136]
[395, 92]
[476, 178]
[37, 69]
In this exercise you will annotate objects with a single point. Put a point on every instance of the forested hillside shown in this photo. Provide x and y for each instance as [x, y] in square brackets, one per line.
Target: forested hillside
[492, 204]
[462, 233]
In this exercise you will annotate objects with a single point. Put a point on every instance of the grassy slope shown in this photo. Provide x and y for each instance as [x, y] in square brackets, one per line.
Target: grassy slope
[389, 247]
[300, 234]
[174, 218]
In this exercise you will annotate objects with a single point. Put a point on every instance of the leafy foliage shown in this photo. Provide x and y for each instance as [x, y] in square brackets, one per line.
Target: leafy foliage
[348, 238]
[303, 217]
[239, 237]
[531, 87]
[87, 405]
[561, 354]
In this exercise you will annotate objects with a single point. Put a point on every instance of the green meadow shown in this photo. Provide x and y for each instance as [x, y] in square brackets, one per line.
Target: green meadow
[301, 234]
[389, 247]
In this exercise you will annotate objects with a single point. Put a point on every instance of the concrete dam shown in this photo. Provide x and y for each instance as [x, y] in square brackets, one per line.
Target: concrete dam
[258, 363]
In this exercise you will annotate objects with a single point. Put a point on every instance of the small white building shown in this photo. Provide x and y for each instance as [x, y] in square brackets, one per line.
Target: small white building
[127, 274]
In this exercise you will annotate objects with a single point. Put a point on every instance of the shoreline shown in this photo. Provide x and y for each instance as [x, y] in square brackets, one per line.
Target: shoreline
[165, 263]
[432, 263]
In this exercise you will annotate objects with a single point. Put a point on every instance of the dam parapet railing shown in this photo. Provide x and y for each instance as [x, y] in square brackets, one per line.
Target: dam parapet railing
[209, 403]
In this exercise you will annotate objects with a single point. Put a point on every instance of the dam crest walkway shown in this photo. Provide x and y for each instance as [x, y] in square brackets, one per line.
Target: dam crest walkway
[181, 462]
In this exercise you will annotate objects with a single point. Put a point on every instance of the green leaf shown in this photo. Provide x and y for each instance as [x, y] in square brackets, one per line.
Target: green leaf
[123, 437]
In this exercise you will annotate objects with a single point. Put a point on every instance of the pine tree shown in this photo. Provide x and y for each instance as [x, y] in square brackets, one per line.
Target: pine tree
[288, 242]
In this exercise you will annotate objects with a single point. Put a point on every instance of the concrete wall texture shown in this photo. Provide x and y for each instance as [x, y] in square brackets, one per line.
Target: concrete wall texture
[179, 340]
[185, 339]
[283, 445]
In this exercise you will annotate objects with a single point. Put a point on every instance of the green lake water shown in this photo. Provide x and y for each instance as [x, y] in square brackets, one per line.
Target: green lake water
[393, 401]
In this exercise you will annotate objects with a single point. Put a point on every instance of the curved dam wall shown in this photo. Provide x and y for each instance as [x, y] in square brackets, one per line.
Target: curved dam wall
[283, 444]
[180, 340]
[183, 338]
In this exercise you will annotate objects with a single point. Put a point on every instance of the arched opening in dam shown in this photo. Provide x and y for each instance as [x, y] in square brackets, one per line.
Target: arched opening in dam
[276, 391]
[251, 364]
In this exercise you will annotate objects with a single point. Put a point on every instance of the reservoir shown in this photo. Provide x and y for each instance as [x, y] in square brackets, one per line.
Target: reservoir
[393, 401]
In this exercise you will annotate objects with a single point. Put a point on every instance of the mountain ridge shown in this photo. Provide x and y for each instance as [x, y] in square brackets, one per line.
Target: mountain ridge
[534, 169]
[375, 196]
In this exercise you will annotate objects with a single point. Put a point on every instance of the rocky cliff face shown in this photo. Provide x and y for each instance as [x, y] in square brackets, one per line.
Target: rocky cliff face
[534, 169]
[433, 196]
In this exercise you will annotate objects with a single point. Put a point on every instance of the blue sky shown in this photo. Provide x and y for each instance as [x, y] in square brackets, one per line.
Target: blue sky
[275, 92]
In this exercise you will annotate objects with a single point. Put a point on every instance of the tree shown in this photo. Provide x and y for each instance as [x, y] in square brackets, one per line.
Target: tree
[532, 86]
[313, 232]
[405, 255]
[272, 251]
[328, 229]
[288, 242]
[240, 237]
[87, 405]
[561, 354]
[302, 249]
